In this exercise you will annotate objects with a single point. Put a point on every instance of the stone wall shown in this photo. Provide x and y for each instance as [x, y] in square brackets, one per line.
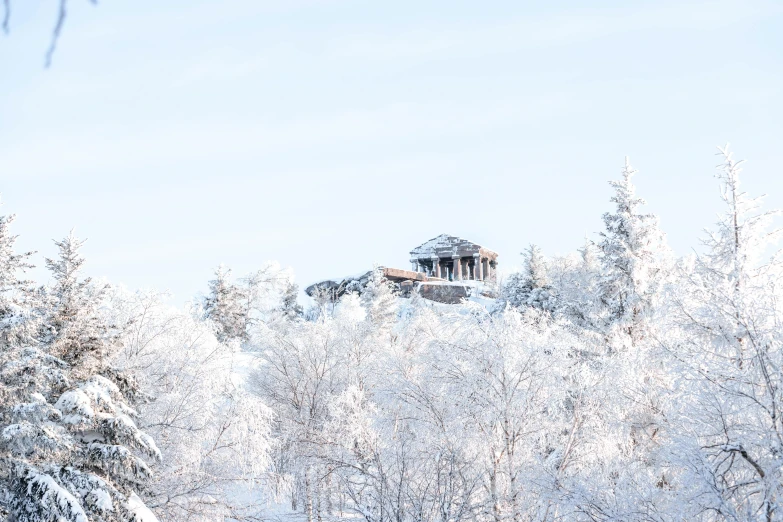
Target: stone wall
[448, 294]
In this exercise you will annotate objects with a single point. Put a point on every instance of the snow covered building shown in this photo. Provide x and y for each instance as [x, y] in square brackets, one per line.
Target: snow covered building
[454, 259]
[441, 262]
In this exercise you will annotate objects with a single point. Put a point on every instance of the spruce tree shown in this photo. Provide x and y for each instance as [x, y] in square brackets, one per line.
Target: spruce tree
[17, 327]
[630, 255]
[74, 330]
[379, 299]
[70, 449]
[227, 307]
[289, 306]
[16, 293]
[531, 287]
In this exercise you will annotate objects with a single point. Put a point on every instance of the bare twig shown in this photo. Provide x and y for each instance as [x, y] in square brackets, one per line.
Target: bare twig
[739, 449]
[56, 33]
[6, 25]
[7, 15]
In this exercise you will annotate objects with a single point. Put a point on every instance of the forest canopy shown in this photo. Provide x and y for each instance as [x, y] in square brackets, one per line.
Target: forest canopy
[619, 382]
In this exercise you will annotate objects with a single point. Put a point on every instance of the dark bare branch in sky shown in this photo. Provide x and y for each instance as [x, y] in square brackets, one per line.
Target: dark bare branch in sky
[7, 14]
[55, 33]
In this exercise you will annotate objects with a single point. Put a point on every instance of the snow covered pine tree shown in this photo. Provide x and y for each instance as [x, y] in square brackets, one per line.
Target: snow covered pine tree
[226, 307]
[69, 448]
[530, 287]
[630, 254]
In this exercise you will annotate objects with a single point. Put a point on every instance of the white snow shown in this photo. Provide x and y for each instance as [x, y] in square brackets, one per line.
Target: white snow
[66, 502]
[102, 500]
[141, 512]
[75, 407]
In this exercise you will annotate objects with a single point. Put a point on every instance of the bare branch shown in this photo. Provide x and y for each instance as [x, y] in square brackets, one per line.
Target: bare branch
[7, 15]
[739, 449]
[56, 33]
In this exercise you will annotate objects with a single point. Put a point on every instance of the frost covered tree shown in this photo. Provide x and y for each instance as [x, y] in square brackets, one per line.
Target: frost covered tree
[310, 374]
[731, 354]
[631, 253]
[227, 306]
[300, 373]
[575, 280]
[16, 293]
[380, 300]
[535, 267]
[480, 392]
[289, 306]
[212, 434]
[235, 309]
[646, 391]
[633, 264]
[73, 328]
[16, 330]
[531, 287]
[70, 449]
[269, 292]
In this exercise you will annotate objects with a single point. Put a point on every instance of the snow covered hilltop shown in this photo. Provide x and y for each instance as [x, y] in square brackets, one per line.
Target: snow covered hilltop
[439, 268]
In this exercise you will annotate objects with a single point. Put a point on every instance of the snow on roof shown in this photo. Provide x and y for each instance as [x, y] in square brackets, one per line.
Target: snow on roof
[445, 245]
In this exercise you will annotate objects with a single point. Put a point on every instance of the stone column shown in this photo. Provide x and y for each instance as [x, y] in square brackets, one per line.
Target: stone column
[489, 268]
[414, 265]
[436, 267]
[476, 265]
[457, 268]
[480, 268]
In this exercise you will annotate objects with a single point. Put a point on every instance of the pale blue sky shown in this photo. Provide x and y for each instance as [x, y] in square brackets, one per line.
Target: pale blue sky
[329, 135]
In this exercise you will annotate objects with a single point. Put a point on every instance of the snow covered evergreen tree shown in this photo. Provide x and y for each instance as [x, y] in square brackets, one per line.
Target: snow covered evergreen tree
[617, 304]
[531, 287]
[630, 253]
[380, 300]
[74, 331]
[227, 307]
[16, 329]
[289, 306]
[11, 263]
[69, 447]
[15, 292]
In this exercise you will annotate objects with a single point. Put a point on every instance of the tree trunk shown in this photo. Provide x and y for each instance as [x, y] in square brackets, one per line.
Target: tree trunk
[308, 496]
[493, 490]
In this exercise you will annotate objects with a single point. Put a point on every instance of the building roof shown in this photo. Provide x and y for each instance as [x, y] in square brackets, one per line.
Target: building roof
[445, 246]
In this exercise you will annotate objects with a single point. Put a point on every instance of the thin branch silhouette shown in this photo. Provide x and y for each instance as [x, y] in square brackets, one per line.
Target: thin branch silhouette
[7, 15]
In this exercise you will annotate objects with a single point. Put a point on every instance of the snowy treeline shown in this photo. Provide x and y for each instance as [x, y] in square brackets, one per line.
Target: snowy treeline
[618, 383]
